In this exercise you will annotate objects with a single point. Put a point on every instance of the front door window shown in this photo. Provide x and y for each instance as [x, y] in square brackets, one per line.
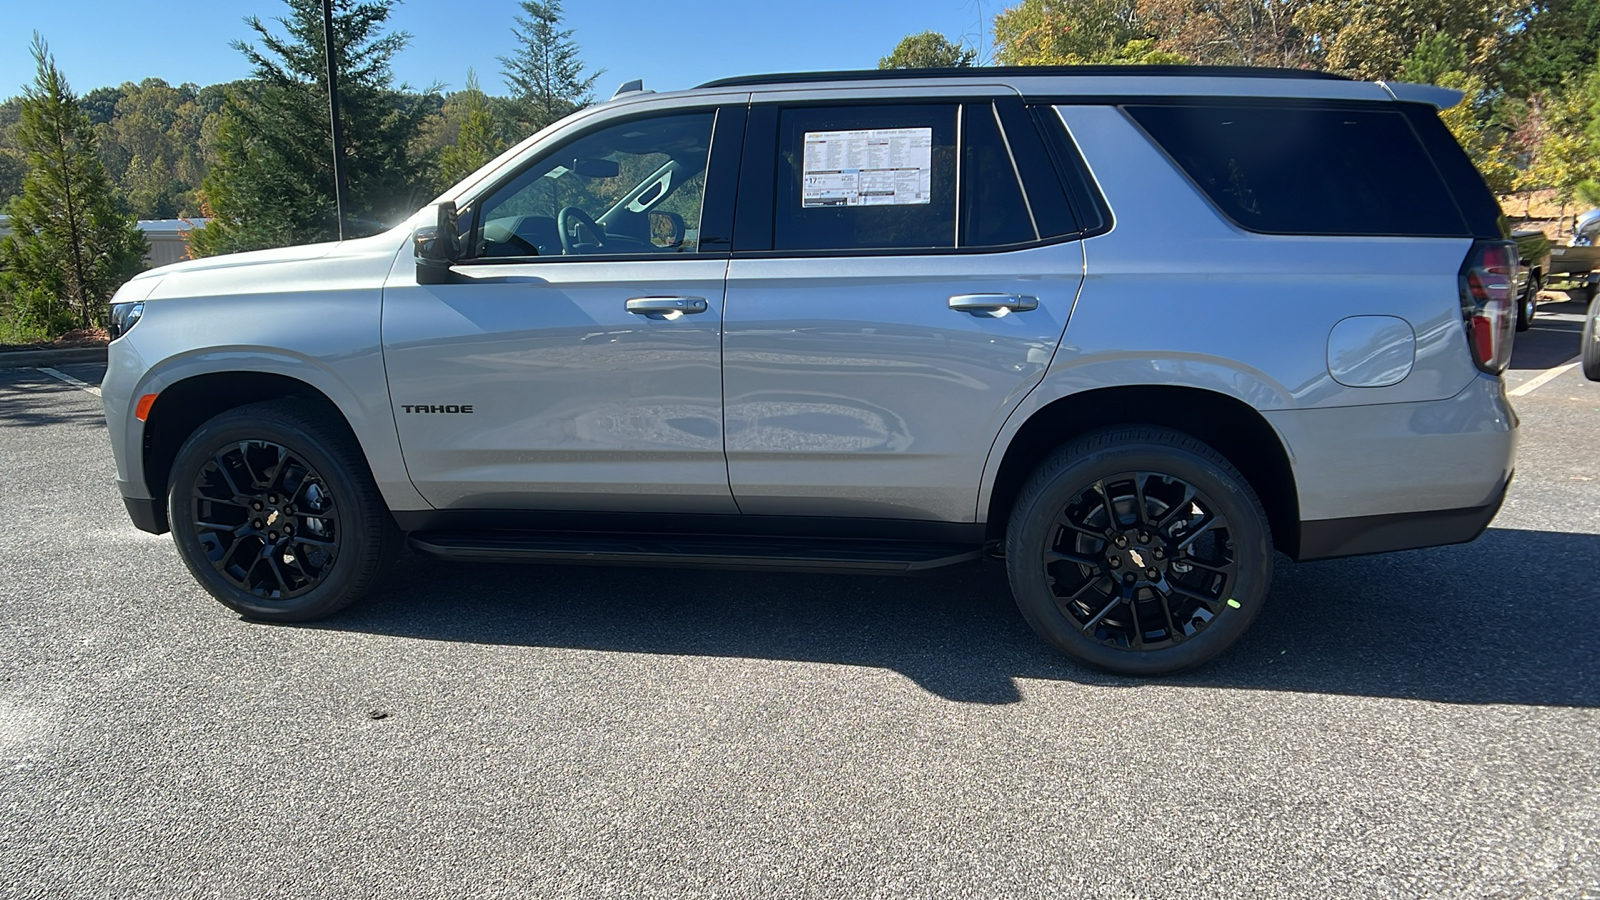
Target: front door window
[631, 188]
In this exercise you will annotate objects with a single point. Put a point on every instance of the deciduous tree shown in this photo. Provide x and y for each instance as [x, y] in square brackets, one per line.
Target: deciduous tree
[928, 50]
[1228, 32]
[1065, 32]
[1372, 39]
[1565, 139]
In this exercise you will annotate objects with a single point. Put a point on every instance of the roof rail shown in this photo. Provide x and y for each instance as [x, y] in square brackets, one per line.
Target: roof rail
[1024, 72]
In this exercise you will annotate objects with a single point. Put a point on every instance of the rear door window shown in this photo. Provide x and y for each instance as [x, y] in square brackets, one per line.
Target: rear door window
[1286, 170]
[866, 177]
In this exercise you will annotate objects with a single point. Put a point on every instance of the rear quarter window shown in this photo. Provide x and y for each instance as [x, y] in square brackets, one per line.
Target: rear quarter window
[1287, 170]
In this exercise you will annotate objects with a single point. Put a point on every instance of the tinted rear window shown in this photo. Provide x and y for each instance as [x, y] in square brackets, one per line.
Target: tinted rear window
[1308, 171]
[866, 177]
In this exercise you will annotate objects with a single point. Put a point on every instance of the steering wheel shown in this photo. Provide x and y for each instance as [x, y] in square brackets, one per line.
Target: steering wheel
[572, 215]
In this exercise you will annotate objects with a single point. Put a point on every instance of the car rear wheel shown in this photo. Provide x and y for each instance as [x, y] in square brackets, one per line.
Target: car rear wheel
[1139, 551]
[275, 513]
[1529, 305]
[1591, 341]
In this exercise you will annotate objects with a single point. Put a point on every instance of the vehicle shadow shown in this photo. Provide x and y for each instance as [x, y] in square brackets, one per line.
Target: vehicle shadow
[1550, 342]
[1508, 620]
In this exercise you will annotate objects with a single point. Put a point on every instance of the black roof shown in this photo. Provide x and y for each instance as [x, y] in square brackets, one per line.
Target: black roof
[1023, 72]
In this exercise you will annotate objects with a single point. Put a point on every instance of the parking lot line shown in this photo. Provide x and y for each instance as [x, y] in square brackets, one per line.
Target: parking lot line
[80, 385]
[1545, 378]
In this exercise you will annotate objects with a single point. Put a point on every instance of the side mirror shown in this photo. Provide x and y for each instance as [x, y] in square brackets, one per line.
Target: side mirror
[596, 168]
[666, 229]
[437, 246]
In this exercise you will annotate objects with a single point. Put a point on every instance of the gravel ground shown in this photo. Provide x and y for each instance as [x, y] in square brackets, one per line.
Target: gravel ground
[1417, 724]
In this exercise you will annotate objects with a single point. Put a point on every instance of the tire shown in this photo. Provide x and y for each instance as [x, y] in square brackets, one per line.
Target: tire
[1528, 304]
[1591, 341]
[284, 477]
[1084, 610]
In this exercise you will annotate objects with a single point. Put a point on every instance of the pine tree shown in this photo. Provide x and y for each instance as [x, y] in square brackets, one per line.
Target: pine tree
[272, 181]
[69, 241]
[544, 74]
[478, 140]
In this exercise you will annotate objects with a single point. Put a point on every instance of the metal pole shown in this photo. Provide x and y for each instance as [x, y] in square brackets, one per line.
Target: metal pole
[339, 189]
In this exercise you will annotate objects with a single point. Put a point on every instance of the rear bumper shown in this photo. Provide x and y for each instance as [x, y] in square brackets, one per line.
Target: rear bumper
[1332, 538]
[1368, 462]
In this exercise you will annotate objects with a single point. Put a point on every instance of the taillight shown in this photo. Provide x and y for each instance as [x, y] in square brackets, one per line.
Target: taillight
[1488, 285]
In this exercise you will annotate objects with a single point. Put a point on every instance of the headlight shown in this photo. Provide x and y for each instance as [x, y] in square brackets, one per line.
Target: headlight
[124, 316]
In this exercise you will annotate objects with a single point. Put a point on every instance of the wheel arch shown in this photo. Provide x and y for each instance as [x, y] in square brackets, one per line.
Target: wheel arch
[1229, 425]
[186, 404]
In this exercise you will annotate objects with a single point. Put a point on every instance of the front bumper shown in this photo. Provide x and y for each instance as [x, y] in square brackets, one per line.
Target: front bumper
[148, 515]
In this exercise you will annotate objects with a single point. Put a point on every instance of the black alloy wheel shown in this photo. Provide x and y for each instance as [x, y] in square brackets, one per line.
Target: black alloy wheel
[266, 520]
[1140, 561]
[1139, 551]
[276, 514]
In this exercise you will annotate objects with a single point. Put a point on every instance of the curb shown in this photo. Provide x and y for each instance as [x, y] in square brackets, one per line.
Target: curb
[16, 359]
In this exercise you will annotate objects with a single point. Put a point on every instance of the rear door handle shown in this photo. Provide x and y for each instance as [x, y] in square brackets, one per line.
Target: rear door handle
[976, 303]
[667, 306]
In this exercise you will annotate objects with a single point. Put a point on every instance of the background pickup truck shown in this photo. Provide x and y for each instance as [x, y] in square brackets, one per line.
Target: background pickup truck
[1533, 257]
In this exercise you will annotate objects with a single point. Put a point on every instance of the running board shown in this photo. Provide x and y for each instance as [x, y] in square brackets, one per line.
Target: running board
[794, 554]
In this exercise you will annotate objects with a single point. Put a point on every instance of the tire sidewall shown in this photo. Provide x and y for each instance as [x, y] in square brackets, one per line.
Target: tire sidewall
[1033, 524]
[1591, 346]
[355, 537]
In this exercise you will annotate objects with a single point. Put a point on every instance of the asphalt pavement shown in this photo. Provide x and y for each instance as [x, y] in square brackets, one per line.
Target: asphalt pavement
[1416, 724]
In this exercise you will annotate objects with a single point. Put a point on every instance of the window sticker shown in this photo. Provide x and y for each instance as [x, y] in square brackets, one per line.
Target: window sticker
[869, 167]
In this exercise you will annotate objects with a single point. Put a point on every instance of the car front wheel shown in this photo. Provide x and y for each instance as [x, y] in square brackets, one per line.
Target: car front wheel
[1139, 551]
[275, 513]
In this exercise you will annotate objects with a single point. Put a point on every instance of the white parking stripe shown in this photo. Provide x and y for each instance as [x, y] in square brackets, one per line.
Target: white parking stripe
[80, 385]
[1548, 376]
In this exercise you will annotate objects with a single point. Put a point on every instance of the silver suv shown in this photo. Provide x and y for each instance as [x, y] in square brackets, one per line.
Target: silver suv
[1132, 330]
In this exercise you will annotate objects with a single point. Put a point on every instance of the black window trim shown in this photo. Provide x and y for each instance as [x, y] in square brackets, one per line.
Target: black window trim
[755, 214]
[964, 185]
[716, 204]
[1487, 222]
[1090, 210]
[1294, 103]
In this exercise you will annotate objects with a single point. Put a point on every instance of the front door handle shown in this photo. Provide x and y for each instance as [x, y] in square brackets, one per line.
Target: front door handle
[671, 307]
[990, 303]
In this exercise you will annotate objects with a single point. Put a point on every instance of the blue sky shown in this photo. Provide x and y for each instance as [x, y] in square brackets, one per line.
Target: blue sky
[669, 43]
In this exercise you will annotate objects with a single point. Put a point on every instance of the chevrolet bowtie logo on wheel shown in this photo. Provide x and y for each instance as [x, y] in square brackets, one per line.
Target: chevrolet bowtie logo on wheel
[1137, 559]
